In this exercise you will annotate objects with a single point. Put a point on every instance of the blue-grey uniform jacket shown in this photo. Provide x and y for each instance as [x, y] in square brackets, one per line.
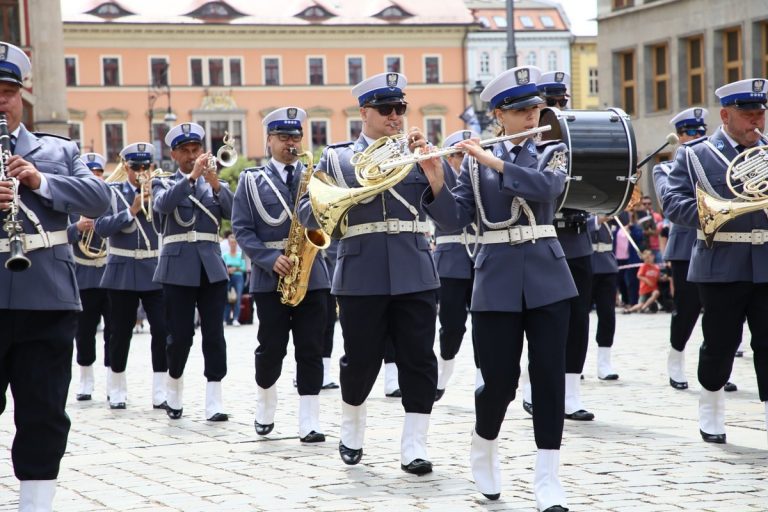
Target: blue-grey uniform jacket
[125, 272]
[452, 259]
[573, 234]
[88, 271]
[506, 275]
[681, 238]
[725, 261]
[181, 263]
[379, 263]
[330, 254]
[255, 197]
[49, 284]
[603, 255]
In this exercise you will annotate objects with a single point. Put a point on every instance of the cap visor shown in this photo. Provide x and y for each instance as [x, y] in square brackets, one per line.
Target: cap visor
[750, 106]
[522, 103]
[394, 100]
[11, 80]
[286, 132]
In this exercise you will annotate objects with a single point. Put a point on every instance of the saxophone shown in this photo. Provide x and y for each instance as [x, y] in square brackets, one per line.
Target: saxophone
[301, 246]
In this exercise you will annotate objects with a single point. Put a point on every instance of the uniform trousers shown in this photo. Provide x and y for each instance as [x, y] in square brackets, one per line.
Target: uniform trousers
[578, 330]
[455, 296]
[180, 302]
[306, 322]
[725, 307]
[687, 306]
[36, 360]
[124, 305]
[604, 299]
[330, 317]
[95, 303]
[408, 320]
[499, 340]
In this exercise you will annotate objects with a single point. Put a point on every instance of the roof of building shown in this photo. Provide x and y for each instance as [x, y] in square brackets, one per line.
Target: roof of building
[530, 15]
[284, 12]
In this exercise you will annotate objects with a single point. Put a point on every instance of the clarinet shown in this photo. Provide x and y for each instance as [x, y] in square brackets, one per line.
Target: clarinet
[16, 261]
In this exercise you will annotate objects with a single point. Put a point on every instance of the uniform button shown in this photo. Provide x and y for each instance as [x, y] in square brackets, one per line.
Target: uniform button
[515, 184]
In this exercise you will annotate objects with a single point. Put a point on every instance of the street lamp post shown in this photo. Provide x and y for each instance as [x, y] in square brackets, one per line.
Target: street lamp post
[479, 106]
[156, 89]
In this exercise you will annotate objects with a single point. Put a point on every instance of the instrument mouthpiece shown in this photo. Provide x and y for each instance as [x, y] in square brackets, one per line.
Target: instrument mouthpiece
[292, 150]
[672, 138]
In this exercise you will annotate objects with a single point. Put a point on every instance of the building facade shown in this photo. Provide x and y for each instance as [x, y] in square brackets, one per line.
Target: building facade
[225, 64]
[585, 87]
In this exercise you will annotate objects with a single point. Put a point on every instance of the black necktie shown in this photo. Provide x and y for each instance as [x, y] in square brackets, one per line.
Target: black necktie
[516, 151]
[289, 175]
[740, 149]
[13, 144]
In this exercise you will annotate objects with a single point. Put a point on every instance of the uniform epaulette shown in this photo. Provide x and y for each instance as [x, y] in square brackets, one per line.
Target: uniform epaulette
[44, 134]
[252, 169]
[695, 141]
[341, 144]
[545, 143]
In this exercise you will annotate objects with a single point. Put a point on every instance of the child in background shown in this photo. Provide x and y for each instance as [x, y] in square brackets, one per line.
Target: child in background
[649, 275]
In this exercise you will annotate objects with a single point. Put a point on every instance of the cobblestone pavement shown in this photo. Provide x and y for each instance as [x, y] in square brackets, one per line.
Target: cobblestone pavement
[642, 453]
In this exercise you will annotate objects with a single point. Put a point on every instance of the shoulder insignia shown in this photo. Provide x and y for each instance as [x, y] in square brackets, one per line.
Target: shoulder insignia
[558, 162]
[341, 144]
[44, 134]
[696, 141]
[251, 169]
[544, 143]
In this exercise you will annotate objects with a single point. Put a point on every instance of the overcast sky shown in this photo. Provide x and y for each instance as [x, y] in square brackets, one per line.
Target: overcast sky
[581, 13]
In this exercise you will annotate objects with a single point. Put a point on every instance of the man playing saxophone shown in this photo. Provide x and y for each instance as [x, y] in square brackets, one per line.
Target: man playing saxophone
[731, 275]
[39, 305]
[263, 221]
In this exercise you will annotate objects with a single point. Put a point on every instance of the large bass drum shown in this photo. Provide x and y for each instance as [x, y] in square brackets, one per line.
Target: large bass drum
[602, 159]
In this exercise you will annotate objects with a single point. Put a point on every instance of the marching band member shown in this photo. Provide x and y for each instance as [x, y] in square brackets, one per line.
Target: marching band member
[454, 266]
[605, 270]
[262, 220]
[731, 279]
[385, 282]
[89, 269]
[132, 261]
[39, 305]
[522, 283]
[193, 274]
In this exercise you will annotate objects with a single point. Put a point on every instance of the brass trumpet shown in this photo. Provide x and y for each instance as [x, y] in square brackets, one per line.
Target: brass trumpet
[226, 156]
[86, 245]
[747, 179]
[145, 187]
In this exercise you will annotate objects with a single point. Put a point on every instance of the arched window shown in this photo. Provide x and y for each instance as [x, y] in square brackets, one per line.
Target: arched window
[530, 60]
[552, 61]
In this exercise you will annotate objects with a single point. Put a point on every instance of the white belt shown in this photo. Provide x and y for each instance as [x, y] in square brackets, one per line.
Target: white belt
[514, 235]
[389, 226]
[602, 247]
[191, 236]
[278, 244]
[96, 262]
[33, 242]
[455, 239]
[137, 254]
[754, 237]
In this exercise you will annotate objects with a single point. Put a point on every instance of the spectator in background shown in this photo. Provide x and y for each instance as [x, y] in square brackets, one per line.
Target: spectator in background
[627, 258]
[648, 274]
[224, 243]
[236, 267]
[651, 223]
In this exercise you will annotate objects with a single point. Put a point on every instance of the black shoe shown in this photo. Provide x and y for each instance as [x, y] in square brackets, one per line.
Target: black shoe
[118, 405]
[739, 353]
[439, 394]
[528, 407]
[417, 467]
[581, 415]
[174, 414]
[493, 497]
[81, 397]
[712, 438]
[313, 437]
[678, 385]
[730, 387]
[163, 406]
[330, 385]
[395, 394]
[350, 456]
[219, 416]
[610, 376]
[555, 508]
[263, 430]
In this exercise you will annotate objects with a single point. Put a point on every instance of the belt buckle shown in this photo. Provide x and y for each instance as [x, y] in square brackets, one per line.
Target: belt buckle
[515, 236]
[758, 236]
[191, 236]
[393, 226]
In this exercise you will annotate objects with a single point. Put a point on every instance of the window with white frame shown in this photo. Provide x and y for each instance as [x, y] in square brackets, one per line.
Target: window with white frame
[110, 71]
[485, 63]
[158, 69]
[216, 125]
[355, 71]
[215, 71]
[271, 70]
[162, 151]
[316, 70]
[526, 21]
[70, 69]
[393, 64]
[433, 127]
[354, 128]
[552, 61]
[593, 86]
[530, 59]
[547, 21]
[114, 140]
[235, 72]
[318, 130]
[76, 133]
[432, 69]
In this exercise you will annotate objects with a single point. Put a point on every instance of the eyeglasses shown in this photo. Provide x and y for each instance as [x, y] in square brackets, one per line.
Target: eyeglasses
[551, 102]
[134, 166]
[692, 132]
[284, 137]
[386, 110]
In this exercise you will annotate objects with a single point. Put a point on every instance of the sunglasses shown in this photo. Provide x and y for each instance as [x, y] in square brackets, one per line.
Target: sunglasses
[138, 167]
[692, 132]
[284, 137]
[386, 110]
[551, 102]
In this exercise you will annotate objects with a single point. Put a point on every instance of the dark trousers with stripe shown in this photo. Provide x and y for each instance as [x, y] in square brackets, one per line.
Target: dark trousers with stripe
[455, 297]
[124, 305]
[687, 306]
[499, 339]
[604, 299]
[726, 305]
[306, 322]
[578, 330]
[36, 361]
[408, 321]
[180, 302]
[95, 303]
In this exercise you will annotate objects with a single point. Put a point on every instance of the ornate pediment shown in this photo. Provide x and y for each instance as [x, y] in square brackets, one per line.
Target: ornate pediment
[433, 109]
[113, 113]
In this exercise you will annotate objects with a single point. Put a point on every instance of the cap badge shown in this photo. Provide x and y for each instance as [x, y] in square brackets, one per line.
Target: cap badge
[757, 85]
[141, 147]
[697, 113]
[91, 157]
[291, 113]
[392, 80]
[186, 128]
[3, 52]
[523, 76]
[559, 76]
[466, 134]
